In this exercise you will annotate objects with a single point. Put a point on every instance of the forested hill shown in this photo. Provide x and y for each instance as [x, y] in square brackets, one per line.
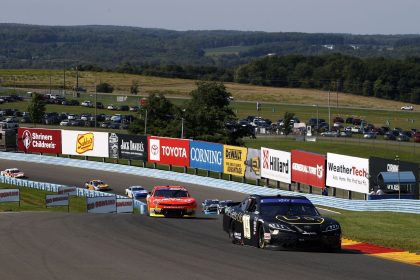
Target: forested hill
[32, 46]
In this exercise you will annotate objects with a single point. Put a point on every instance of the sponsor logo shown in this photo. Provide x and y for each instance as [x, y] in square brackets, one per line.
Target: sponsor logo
[155, 149]
[233, 154]
[27, 139]
[132, 146]
[392, 167]
[102, 203]
[7, 194]
[347, 170]
[57, 199]
[316, 171]
[85, 142]
[174, 151]
[37, 140]
[274, 163]
[206, 156]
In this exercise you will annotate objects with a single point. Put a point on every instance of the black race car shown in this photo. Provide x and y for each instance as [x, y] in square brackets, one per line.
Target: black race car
[280, 222]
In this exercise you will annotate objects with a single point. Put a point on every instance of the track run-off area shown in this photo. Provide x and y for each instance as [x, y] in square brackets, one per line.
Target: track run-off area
[47, 245]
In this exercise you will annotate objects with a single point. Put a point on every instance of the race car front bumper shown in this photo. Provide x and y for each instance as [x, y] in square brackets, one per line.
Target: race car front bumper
[172, 212]
[296, 240]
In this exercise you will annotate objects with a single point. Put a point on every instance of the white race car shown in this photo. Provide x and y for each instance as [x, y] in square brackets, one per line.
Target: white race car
[12, 172]
[136, 192]
[407, 108]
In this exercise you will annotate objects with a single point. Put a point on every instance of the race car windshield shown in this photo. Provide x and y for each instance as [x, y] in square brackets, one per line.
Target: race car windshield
[171, 193]
[14, 171]
[137, 189]
[274, 209]
[209, 202]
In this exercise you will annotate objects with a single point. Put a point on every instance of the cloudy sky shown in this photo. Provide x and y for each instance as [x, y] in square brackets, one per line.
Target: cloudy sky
[331, 16]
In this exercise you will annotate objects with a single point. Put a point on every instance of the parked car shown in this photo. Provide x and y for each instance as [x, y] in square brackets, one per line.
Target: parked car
[87, 103]
[330, 134]
[99, 105]
[389, 136]
[123, 108]
[416, 137]
[134, 108]
[349, 120]
[111, 107]
[369, 135]
[65, 123]
[403, 138]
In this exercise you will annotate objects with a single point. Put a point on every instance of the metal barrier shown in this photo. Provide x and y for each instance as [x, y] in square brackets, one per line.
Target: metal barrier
[393, 205]
[55, 187]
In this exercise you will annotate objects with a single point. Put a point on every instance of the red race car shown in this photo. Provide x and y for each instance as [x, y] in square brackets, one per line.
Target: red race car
[170, 201]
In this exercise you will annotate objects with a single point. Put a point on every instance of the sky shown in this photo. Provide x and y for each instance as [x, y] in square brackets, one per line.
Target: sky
[310, 16]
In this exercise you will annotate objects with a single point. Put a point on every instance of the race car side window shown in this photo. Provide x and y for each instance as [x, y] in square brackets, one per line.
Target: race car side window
[244, 205]
[252, 206]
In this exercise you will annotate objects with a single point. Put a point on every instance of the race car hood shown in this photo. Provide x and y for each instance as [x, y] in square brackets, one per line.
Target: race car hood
[297, 220]
[174, 201]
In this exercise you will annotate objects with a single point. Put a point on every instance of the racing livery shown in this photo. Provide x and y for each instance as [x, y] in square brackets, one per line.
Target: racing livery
[280, 222]
[170, 201]
[12, 172]
[210, 206]
[96, 185]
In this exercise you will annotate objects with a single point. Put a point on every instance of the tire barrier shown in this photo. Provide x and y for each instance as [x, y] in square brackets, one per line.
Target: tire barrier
[392, 205]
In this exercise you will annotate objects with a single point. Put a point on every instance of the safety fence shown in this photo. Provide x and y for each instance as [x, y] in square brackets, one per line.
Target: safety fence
[393, 205]
[50, 187]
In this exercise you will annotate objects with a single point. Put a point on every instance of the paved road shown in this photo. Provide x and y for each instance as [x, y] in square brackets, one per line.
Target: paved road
[96, 246]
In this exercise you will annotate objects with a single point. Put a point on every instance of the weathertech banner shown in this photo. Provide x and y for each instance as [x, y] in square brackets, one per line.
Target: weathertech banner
[9, 195]
[348, 173]
[206, 156]
[102, 204]
[36, 140]
[57, 200]
[125, 205]
[276, 165]
[169, 151]
[85, 143]
[253, 159]
[308, 168]
[234, 160]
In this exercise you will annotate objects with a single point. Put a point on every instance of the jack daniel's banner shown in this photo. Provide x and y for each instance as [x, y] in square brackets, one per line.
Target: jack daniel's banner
[128, 146]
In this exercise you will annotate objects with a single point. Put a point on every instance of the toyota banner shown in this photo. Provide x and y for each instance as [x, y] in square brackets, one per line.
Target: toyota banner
[348, 173]
[169, 151]
[308, 168]
[37, 140]
[206, 156]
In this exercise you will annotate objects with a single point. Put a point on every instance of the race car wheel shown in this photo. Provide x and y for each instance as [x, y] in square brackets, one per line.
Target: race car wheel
[261, 241]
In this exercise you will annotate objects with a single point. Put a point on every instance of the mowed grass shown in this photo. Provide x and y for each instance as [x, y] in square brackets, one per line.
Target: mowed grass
[34, 200]
[388, 229]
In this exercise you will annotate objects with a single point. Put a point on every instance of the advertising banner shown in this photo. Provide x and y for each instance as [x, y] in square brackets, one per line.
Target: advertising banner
[169, 151]
[9, 195]
[253, 160]
[125, 205]
[206, 156]
[37, 140]
[378, 165]
[276, 165]
[68, 190]
[308, 168]
[128, 146]
[101, 204]
[57, 200]
[85, 143]
[348, 173]
[234, 160]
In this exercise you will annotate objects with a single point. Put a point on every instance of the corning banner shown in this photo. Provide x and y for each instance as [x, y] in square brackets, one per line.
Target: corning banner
[57, 200]
[276, 165]
[253, 163]
[132, 146]
[234, 160]
[308, 168]
[85, 143]
[348, 173]
[9, 195]
[169, 151]
[378, 165]
[206, 156]
[125, 205]
[101, 204]
[68, 190]
[37, 140]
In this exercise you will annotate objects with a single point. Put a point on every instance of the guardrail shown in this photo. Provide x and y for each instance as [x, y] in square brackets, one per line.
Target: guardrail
[50, 187]
[393, 205]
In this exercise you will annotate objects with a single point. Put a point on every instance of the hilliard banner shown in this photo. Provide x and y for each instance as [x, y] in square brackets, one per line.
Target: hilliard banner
[308, 168]
[253, 159]
[276, 165]
[37, 140]
[85, 143]
[169, 151]
[234, 160]
[206, 156]
[348, 173]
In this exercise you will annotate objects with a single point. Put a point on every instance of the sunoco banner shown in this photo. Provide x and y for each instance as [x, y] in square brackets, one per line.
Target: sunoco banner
[253, 159]
[101, 204]
[234, 160]
[125, 205]
[36, 140]
[67, 190]
[9, 195]
[308, 168]
[276, 165]
[85, 143]
[128, 146]
[348, 173]
[169, 151]
[206, 156]
[57, 200]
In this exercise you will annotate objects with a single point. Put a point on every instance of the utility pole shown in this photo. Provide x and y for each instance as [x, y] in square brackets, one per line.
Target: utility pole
[64, 77]
[329, 112]
[145, 123]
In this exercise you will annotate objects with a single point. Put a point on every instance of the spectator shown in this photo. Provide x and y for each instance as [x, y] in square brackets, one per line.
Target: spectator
[325, 191]
[380, 192]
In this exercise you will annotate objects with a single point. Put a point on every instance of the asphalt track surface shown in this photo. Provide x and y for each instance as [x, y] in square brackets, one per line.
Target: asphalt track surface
[125, 246]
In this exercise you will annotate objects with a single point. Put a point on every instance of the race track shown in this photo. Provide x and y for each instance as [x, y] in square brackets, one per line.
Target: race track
[102, 246]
